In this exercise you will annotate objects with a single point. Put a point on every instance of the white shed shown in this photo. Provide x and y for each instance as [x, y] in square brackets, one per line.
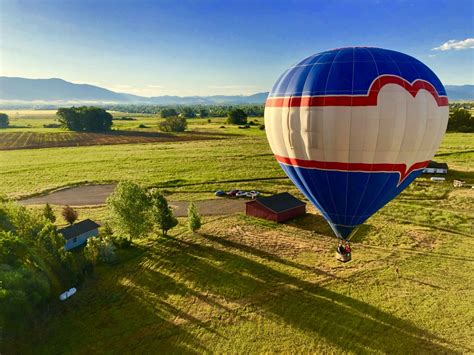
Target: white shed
[78, 233]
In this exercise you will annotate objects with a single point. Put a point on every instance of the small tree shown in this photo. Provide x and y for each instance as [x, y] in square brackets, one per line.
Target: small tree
[174, 124]
[70, 214]
[48, 213]
[237, 116]
[162, 214]
[130, 206]
[194, 219]
[4, 121]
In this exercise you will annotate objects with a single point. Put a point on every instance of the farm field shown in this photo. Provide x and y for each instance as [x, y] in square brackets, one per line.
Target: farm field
[245, 285]
[27, 140]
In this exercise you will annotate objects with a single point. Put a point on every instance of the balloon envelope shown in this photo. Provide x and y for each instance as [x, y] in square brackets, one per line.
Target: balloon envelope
[353, 127]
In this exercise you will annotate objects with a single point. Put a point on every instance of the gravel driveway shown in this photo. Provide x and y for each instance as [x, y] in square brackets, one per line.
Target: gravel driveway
[97, 194]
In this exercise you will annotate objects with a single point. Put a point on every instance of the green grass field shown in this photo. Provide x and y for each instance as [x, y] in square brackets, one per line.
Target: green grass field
[246, 285]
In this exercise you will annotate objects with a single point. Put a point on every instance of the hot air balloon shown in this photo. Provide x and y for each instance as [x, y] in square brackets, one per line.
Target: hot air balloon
[353, 127]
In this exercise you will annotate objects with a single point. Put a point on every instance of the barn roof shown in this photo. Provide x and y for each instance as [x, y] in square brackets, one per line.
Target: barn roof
[280, 202]
[435, 165]
[79, 228]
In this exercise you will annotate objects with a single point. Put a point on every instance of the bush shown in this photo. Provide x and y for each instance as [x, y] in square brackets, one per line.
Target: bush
[4, 121]
[100, 250]
[174, 124]
[121, 242]
[141, 125]
[52, 125]
[194, 219]
[237, 116]
[262, 127]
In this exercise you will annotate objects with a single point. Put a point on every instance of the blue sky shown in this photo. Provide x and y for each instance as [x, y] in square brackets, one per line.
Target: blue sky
[220, 47]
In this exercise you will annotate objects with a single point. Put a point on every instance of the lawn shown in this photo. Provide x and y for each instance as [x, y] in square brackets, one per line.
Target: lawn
[246, 285]
[241, 285]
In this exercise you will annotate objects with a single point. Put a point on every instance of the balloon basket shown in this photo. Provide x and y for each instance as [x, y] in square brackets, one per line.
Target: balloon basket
[343, 257]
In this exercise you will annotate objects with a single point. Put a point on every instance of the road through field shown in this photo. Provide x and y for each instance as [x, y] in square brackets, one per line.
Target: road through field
[97, 194]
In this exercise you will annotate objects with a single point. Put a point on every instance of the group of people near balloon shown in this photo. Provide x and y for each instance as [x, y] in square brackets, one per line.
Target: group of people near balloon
[344, 248]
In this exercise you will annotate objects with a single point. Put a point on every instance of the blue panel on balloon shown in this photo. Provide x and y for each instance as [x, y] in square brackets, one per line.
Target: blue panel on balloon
[347, 199]
[334, 72]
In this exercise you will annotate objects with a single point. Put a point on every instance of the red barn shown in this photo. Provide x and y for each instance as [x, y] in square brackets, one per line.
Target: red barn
[277, 208]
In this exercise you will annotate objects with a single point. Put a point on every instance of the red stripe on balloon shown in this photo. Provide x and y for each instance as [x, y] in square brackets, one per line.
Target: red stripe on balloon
[365, 100]
[355, 167]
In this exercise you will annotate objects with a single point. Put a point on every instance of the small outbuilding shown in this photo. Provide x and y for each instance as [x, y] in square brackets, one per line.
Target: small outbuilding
[277, 208]
[78, 233]
[436, 168]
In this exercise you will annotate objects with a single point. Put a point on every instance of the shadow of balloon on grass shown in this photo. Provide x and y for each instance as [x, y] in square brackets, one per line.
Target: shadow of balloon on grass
[215, 268]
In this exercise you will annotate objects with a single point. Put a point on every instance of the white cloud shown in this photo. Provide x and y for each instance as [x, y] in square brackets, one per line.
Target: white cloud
[456, 45]
[155, 86]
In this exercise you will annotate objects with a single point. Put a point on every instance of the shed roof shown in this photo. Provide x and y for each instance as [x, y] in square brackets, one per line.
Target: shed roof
[84, 226]
[280, 202]
[435, 165]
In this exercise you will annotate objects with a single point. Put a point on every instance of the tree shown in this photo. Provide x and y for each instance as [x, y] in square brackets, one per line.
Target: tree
[130, 206]
[194, 219]
[4, 121]
[85, 118]
[161, 213]
[69, 214]
[174, 124]
[461, 120]
[203, 112]
[48, 213]
[188, 112]
[237, 116]
[168, 112]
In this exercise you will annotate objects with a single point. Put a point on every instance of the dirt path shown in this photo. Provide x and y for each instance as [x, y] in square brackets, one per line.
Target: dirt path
[74, 196]
[97, 194]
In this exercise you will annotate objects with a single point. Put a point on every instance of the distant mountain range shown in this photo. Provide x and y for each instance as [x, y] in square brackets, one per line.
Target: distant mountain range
[17, 91]
[21, 90]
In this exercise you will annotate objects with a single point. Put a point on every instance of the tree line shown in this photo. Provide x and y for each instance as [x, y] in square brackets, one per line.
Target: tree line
[189, 111]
